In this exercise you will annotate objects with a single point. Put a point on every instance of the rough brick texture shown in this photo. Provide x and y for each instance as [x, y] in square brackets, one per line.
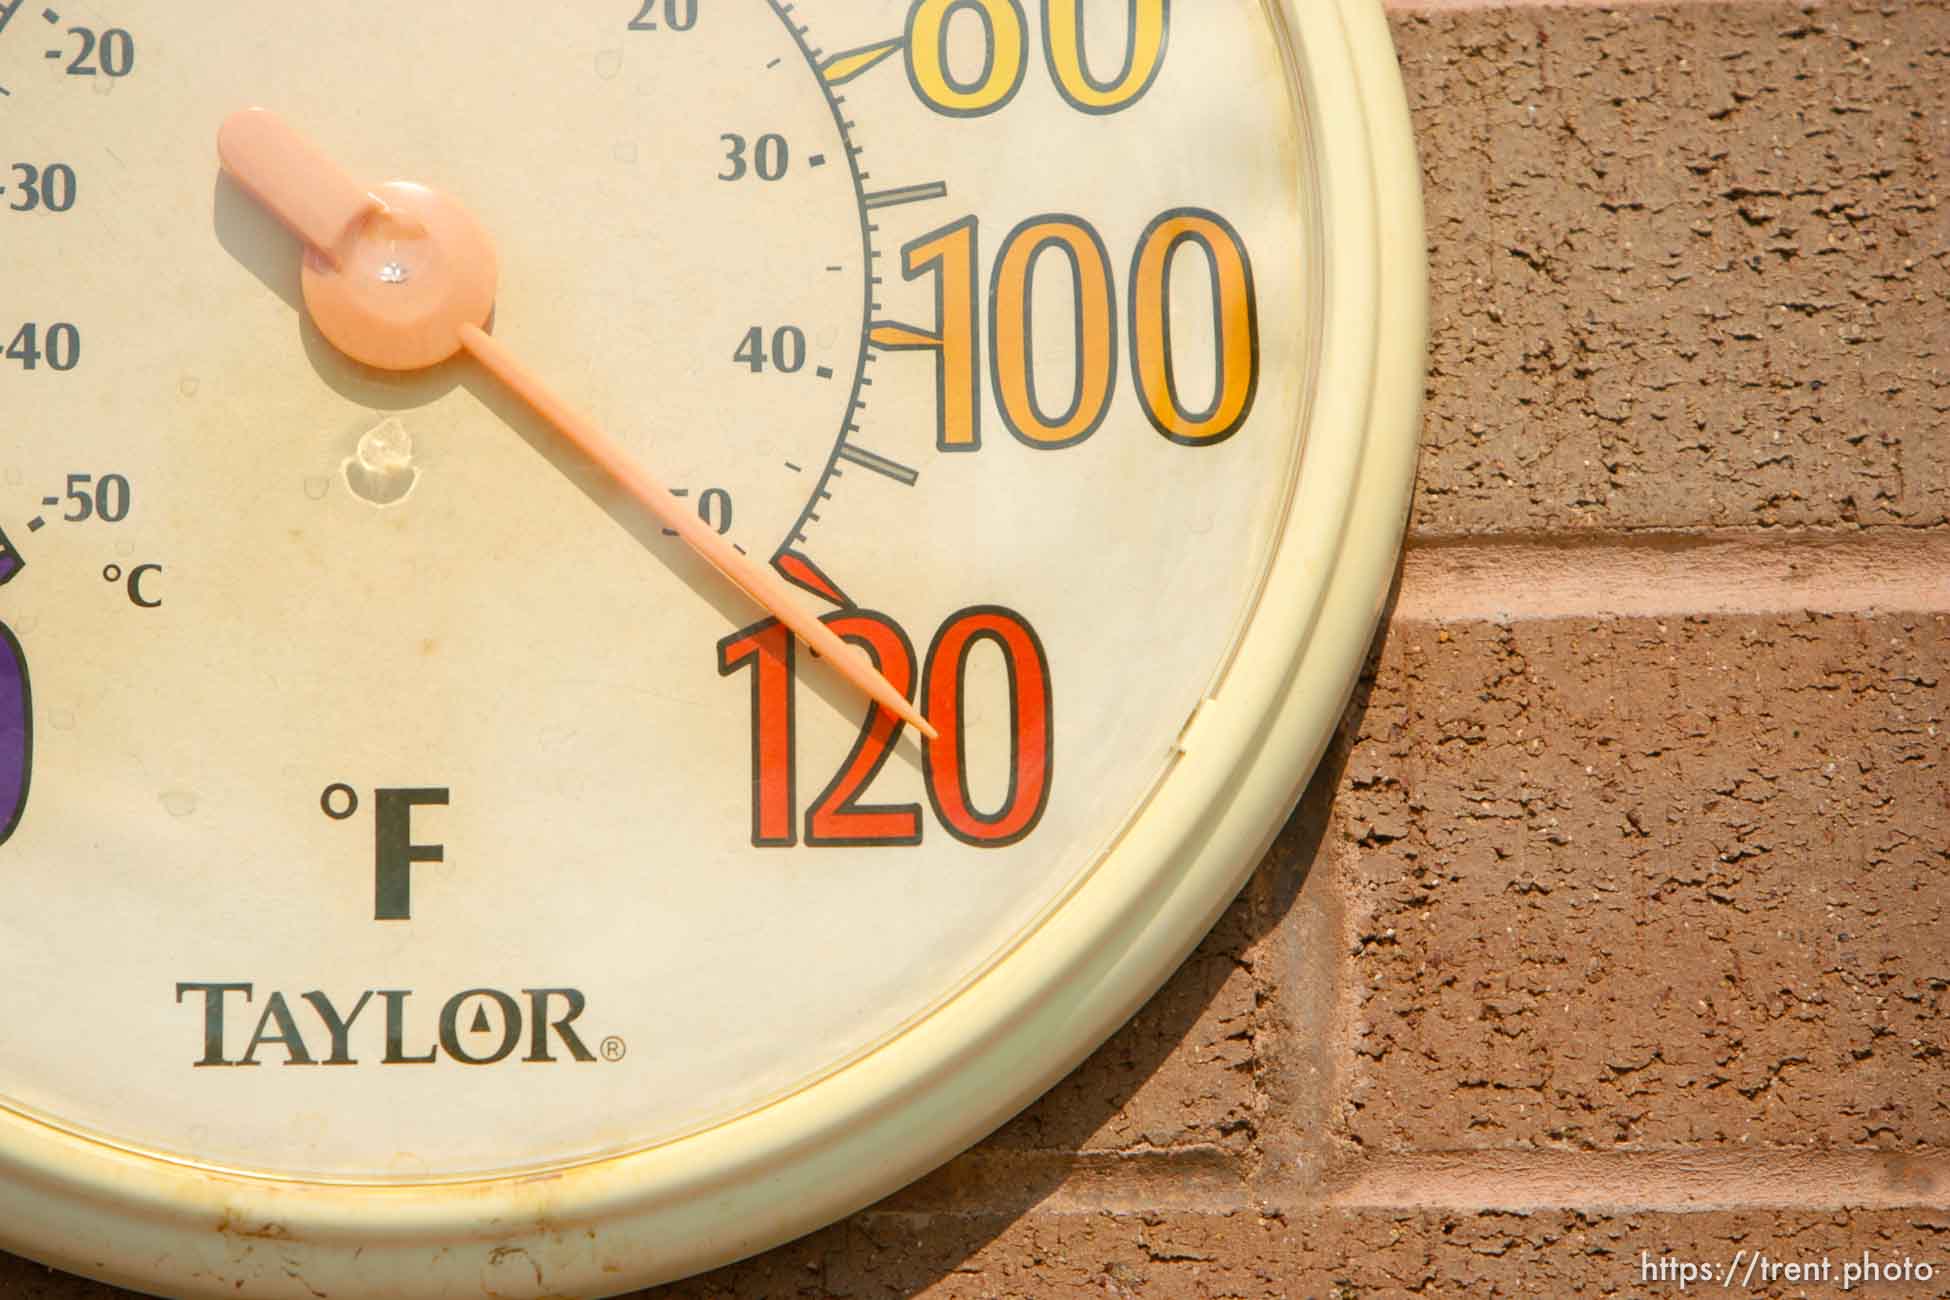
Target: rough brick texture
[1330, 1255]
[1334, 1255]
[1643, 884]
[1690, 267]
[1180, 1074]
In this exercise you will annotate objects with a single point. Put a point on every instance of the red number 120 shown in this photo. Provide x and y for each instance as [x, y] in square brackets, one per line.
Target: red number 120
[837, 816]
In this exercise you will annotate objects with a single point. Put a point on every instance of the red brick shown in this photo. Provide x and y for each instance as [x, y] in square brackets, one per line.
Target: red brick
[1329, 1254]
[1652, 883]
[1179, 1074]
[1690, 265]
[1337, 1255]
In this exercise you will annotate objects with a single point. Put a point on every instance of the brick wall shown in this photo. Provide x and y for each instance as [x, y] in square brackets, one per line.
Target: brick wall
[1618, 919]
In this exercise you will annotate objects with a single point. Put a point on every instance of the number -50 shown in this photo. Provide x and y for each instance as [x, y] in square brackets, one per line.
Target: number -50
[107, 501]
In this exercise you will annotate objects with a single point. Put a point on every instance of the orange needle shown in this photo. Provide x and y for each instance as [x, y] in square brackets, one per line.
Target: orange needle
[297, 184]
[404, 278]
[754, 580]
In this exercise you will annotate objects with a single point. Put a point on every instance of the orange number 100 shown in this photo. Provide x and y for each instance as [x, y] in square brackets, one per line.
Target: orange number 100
[950, 255]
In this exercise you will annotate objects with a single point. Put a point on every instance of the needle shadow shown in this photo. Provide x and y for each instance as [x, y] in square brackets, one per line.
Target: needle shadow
[847, 700]
[731, 603]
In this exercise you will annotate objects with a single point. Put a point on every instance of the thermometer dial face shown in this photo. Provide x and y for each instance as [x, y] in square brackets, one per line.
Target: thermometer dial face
[388, 800]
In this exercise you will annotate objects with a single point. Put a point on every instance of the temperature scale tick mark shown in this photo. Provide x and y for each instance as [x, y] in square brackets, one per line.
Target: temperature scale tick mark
[824, 372]
[35, 524]
[50, 15]
[908, 194]
[817, 160]
[893, 334]
[893, 469]
[797, 568]
[773, 64]
[848, 64]
[50, 501]
[676, 492]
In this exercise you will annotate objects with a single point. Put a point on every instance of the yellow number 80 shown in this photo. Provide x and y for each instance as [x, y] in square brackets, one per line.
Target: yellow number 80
[1005, 42]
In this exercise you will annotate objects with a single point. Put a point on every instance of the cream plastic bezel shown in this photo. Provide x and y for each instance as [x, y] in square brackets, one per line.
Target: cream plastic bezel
[877, 1124]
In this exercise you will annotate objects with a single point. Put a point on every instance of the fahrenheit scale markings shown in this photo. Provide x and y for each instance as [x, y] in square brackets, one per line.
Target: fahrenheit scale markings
[848, 64]
[908, 194]
[797, 567]
[893, 469]
[891, 334]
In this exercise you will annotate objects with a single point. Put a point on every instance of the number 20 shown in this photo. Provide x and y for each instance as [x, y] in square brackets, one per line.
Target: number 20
[679, 16]
[1004, 30]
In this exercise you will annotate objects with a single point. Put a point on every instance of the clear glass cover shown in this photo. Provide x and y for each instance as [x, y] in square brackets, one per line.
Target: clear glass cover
[400, 802]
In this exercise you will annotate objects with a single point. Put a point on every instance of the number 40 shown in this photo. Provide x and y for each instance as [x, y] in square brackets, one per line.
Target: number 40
[62, 351]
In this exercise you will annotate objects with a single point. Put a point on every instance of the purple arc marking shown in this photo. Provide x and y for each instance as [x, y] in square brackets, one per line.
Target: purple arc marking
[16, 732]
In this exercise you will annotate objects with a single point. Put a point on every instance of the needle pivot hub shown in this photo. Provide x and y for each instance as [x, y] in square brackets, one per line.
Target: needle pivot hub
[403, 279]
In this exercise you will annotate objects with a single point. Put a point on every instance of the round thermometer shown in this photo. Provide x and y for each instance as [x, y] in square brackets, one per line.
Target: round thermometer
[625, 624]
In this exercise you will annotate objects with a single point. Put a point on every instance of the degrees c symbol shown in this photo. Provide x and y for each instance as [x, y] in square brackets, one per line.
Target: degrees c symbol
[139, 595]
